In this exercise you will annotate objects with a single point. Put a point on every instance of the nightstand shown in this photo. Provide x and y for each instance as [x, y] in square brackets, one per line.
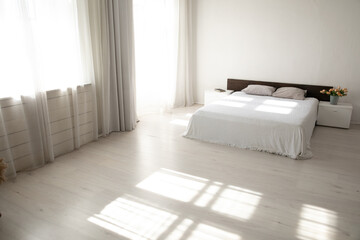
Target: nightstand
[212, 95]
[334, 115]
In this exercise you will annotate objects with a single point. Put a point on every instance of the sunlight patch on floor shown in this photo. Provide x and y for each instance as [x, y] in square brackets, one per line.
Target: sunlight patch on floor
[180, 230]
[180, 122]
[132, 218]
[317, 223]
[207, 232]
[174, 185]
[190, 230]
[208, 194]
[237, 202]
[129, 217]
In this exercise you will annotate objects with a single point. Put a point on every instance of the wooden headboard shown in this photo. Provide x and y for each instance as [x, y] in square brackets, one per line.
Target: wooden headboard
[312, 90]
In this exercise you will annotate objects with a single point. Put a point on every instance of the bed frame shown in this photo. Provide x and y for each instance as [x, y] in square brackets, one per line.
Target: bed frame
[312, 90]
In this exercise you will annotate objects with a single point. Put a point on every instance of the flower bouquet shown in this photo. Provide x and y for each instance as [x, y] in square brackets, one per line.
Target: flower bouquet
[335, 93]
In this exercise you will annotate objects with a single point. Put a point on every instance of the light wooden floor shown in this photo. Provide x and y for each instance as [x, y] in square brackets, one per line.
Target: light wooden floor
[154, 184]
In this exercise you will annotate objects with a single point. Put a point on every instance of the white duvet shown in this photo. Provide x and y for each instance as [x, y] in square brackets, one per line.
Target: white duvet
[275, 125]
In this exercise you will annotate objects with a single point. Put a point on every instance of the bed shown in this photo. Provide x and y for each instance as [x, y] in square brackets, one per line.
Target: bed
[264, 123]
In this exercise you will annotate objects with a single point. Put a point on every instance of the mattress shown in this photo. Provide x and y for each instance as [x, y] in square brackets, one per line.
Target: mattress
[263, 123]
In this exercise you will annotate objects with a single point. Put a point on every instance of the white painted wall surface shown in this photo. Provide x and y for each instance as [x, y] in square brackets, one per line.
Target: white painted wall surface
[307, 41]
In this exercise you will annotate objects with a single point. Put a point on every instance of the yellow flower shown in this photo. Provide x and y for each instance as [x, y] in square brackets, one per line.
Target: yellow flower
[328, 93]
[339, 94]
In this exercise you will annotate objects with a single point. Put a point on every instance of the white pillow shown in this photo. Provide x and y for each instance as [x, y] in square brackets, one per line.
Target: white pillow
[262, 90]
[290, 92]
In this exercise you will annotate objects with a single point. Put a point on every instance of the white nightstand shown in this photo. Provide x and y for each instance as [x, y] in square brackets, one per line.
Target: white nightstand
[334, 115]
[212, 95]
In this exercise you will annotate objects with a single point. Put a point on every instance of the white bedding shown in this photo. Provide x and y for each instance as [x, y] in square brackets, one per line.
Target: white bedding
[275, 125]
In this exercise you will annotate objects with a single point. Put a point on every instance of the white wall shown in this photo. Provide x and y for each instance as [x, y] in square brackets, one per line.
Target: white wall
[296, 41]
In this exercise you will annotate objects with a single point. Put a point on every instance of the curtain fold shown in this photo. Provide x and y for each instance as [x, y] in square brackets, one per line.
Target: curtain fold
[6, 154]
[43, 142]
[87, 57]
[113, 48]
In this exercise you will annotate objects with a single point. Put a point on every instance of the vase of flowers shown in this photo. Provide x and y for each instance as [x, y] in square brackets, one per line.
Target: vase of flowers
[335, 94]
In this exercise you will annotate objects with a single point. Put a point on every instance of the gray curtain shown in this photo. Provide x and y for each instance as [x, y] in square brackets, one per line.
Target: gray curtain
[112, 31]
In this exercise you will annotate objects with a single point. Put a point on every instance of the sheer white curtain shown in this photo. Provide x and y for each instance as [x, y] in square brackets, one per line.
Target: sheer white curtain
[156, 40]
[40, 46]
[162, 51]
[44, 45]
